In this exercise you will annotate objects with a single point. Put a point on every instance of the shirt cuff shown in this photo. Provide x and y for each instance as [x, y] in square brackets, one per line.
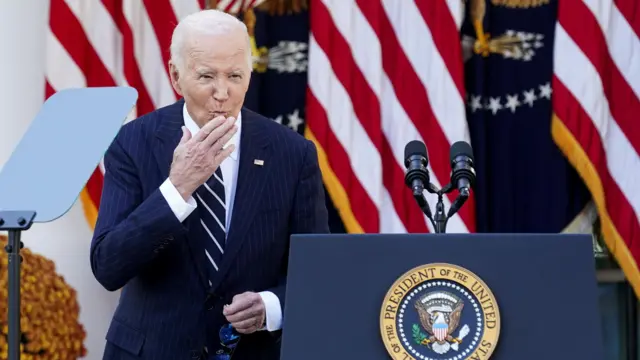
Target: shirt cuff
[181, 209]
[273, 311]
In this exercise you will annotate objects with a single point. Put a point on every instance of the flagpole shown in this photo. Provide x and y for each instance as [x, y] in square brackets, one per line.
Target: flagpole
[631, 323]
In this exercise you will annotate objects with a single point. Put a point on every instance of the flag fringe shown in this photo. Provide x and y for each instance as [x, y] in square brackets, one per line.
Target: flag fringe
[335, 189]
[583, 165]
[89, 208]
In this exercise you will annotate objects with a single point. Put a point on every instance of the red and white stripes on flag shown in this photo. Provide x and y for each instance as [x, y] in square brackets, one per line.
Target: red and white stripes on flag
[383, 73]
[113, 43]
[596, 102]
[236, 6]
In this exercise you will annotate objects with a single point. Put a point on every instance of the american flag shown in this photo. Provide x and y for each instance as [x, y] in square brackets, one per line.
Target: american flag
[383, 73]
[596, 103]
[414, 91]
[117, 43]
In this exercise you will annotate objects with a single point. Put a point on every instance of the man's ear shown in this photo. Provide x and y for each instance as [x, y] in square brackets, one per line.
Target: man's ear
[174, 74]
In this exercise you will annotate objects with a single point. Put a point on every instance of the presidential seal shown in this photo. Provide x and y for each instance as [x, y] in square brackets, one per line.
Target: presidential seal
[440, 312]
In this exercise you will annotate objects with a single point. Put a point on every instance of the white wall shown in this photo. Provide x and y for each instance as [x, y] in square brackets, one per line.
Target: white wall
[23, 26]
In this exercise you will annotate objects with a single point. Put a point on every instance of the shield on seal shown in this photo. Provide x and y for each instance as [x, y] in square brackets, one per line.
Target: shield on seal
[440, 330]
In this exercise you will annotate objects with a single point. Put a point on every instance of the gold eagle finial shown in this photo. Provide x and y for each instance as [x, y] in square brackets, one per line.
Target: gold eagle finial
[273, 7]
[523, 4]
[281, 7]
[505, 43]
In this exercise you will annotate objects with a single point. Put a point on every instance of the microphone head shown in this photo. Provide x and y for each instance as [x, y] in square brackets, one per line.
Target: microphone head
[460, 148]
[414, 147]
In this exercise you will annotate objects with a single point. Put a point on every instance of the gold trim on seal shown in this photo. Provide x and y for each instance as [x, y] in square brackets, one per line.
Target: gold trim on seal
[419, 275]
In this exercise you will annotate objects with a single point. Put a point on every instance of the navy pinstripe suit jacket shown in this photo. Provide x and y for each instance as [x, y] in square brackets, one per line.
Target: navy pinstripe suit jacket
[167, 309]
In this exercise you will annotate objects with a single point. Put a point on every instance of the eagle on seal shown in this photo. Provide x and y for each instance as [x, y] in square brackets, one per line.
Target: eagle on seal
[439, 315]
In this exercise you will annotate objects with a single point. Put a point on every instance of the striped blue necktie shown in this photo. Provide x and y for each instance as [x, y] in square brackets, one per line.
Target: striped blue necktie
[211, 200]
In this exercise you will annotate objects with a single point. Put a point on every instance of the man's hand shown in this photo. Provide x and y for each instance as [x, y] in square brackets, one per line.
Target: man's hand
[196, 158]
[246, 313]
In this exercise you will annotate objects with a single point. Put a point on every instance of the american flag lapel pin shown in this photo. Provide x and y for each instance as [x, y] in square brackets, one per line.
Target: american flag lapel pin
[258, 162]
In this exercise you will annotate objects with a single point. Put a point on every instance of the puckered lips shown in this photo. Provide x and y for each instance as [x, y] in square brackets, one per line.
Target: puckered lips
[215, 114]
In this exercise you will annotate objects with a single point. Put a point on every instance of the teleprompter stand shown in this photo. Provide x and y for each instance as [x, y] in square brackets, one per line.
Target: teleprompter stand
[50, 166]
[14, 222]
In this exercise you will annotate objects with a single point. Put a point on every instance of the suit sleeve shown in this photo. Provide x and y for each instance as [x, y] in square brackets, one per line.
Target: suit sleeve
[309, 214]
[130, 231]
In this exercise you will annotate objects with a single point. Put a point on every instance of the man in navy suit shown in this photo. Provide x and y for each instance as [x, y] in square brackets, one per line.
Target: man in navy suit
[199, 200]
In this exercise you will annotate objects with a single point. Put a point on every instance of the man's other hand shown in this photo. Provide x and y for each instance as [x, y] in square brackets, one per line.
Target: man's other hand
[196, 158]
[246, 313]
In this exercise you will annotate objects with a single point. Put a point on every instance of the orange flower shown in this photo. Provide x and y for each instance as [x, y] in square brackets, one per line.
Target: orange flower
[49, 311]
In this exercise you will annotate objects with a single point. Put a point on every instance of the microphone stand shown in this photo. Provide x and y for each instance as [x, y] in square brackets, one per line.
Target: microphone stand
[416, 178]
[439, 221]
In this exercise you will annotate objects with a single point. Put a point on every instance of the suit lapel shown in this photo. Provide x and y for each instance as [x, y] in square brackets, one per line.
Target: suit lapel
[169, 133]
[254, 145]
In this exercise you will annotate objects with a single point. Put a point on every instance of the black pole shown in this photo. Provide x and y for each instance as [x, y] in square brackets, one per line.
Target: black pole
[631, 323]
[14, 222]
[440, 219]
[13, 251]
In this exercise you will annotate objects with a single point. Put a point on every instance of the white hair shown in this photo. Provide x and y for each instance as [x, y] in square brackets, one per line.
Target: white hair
[205, 22]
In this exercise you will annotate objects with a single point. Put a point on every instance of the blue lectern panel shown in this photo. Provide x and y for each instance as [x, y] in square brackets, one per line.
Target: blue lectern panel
[62, 148]
[544, 285]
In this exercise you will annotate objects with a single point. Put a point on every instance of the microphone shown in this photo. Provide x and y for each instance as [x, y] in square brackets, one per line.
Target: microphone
[415, 160]
[462, 173]
[417, 176]
[463, 176]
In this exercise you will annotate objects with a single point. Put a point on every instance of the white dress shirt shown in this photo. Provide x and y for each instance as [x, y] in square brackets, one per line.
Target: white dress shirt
[182, 209]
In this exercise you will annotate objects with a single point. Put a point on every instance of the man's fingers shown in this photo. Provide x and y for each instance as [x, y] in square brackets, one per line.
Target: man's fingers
[208, 128]
[219, 144]
[217, 133]
[186, 135]
[246, 324]
[238, 304]
[247, 331]
[224, 154]
[245, 312]
[250, 313]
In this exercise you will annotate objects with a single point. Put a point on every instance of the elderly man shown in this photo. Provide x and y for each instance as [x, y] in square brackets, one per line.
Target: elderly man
[199, 201]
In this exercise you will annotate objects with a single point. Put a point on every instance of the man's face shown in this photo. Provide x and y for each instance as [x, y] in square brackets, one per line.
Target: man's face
[215, 76]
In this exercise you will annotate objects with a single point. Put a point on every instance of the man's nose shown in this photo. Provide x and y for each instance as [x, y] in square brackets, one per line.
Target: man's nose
[221, 92]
